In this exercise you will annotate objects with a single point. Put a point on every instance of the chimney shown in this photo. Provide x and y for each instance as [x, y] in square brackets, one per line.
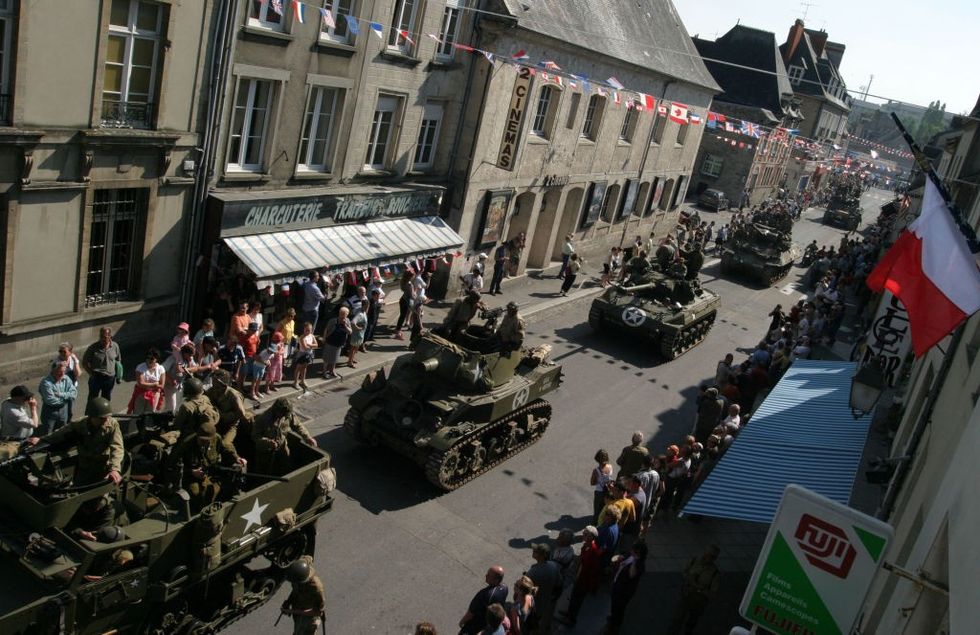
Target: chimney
[835, 51]
[793, 40]
[818, 39]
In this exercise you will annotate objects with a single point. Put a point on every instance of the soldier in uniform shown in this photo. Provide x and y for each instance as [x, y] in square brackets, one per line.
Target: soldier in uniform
[99, 442]
[196, 410]
[665, 255]
[461, 313]
[637, 267]
[230, 405]
[92, 516]
[510, 333]
[269, 434]
[196, 454]
[306, 601]
[693, 259]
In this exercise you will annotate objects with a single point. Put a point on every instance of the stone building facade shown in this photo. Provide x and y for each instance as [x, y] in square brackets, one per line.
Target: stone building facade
[99, 110]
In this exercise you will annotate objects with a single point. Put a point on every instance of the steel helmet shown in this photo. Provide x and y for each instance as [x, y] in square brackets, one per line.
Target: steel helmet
[299, 571]
[98, 407]
[193, 387]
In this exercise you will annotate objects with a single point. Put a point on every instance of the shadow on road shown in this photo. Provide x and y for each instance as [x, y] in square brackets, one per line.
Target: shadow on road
[618, 347]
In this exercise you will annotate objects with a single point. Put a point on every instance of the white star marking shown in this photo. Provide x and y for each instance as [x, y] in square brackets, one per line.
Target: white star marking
[254, 516]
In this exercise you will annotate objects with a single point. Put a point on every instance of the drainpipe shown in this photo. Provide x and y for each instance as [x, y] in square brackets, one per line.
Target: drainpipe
[219, 55]
[643, 160]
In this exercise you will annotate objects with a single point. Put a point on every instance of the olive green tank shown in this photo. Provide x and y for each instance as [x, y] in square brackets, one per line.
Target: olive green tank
[759, 252]
[843, 210]
[169, 569]
[457, 408]
[673, 314]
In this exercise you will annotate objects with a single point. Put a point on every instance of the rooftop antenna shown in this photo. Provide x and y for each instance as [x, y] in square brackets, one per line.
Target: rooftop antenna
[806, 8]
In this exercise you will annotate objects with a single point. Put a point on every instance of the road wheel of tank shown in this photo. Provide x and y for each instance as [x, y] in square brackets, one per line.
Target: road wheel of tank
[167, 621]
[354, 426]
[595, 319]
[287, 550]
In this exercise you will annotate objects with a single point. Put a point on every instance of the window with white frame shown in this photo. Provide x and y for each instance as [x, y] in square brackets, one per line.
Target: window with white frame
[118, 219]
[340, 31]
[593, 117]
[316, 144]
[711, 165]
[131, 61]
[425, 148]
[266, 14]
[795, 74]
[403, 22]
[250, 124]
[629, 125]
[449, 31]
[682, 133]
[544, 111]
[381, 138]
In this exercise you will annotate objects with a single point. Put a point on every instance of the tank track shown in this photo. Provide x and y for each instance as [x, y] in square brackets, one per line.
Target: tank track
[673, 346]
[488, 451]
[190, 624]
[352, 425]
[772, 275]
[595, 318]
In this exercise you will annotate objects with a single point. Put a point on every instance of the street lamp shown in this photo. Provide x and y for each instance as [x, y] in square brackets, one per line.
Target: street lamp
[866, 387]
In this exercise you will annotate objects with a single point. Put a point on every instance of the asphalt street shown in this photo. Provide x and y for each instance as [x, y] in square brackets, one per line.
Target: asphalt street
[394, 550]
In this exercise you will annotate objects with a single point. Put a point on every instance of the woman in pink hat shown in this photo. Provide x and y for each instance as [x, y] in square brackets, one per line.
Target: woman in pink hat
[182, 337]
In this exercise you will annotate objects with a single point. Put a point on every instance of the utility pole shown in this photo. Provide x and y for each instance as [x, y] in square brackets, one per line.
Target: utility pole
[806, 8]
[868, 88]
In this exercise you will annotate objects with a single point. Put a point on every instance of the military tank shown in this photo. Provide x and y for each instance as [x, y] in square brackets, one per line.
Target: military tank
[674, 314]
[843, 210]
[457, 408]
[168, 570]
[759, 252]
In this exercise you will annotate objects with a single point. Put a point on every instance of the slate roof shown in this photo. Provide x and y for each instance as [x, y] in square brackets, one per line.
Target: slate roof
[753, 48]
[645, 33]
[818, 73]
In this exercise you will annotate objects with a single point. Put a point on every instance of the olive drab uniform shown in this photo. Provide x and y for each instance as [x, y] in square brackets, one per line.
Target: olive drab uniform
[459, 316]
[693, 260]
[191, 454]
[307, 596]
[231, 411]
[269, 433]
[194, 413]
[100, 448]
[511, 332]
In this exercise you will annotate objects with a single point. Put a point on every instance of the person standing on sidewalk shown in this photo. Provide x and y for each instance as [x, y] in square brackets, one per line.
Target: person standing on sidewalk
[567, 250]
[405, 302]
[571, 271]
[313, 297]
[99, 361]
[601, 478]
[500, 260]
[73, 368]
[630, 460]
[587, 577]
[624, 585]
[495, 592]
[701, 580]
[57, 392]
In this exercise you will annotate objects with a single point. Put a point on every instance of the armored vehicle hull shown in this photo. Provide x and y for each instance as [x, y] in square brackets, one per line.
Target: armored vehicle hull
[190, 572]
[849, 219]
[674, 315]
[457, 408]
[760, 253]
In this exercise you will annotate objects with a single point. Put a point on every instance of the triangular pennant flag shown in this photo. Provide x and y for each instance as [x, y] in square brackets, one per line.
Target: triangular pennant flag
[602, 91]
[377, 29]
[463, 47]
[612, 81]
[488, 55]
[404, 34]
[520, 56]
[434, 37]
[352, 24]
[299, 11]
[551, 66]
[328, 18]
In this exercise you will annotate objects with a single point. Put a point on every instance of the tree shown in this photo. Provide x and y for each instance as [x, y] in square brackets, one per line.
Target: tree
[933, 120]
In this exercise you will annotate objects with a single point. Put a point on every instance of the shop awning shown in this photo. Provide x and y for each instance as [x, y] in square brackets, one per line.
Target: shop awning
[278, 256]
[803, 433]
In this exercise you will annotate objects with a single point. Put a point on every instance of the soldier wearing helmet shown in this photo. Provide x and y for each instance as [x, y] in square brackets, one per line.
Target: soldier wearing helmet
[270, 431]
[195, 455]
[230, 405]
[196, 409]
[510, 333]
[460, 314]
[306, 601]
[99, 442]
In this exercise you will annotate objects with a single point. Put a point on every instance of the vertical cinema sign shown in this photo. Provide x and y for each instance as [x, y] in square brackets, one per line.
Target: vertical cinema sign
[515, 115]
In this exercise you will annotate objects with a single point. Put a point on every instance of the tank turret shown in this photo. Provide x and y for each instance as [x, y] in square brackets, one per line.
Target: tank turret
[761, 252]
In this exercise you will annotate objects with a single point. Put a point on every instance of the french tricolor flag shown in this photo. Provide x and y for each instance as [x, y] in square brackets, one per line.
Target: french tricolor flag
[931, 270]
[299, 11]
[520, 56]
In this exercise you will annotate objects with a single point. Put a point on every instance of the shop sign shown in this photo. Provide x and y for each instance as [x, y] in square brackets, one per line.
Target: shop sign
[888, 339]
[815, 568]
[256, 216]
[554, 180]
[492, 225]
[507, 155]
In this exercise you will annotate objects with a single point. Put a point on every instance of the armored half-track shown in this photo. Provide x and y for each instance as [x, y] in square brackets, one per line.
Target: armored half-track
[760, 253]
[170, 569]
[457, 408]
[843, 211]
[670, 313]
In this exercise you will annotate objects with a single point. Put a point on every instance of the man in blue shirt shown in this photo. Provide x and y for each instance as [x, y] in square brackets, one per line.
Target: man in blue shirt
[312, 298]
[608, 534]
[57, 391]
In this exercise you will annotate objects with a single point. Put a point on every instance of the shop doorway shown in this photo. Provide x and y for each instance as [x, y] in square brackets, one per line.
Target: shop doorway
[538, 255]
[520, 220]
[569, 217]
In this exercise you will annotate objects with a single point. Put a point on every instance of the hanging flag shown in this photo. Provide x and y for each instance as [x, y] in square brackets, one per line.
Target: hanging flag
[551, 66]
[616, 98]
[678, 113]
[573, 84]
[366, 275]
[648, 101]
[404, 34]
[612, 81]
[729, 127]
[434, 37]
[694, 119]
[377, 29]
[629, 103]
[488, 55]
[557, 79]
[276, 6]
[712, 124]
[874, 155]
[299, 11]
[931, 270]
[352, 24]
[463, 47]
[520, 56]
[662, 109]
[602, 91]
[328, 18]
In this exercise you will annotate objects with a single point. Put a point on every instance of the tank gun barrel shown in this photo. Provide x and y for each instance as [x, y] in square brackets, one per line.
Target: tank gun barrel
[636, 287]
[428, 365]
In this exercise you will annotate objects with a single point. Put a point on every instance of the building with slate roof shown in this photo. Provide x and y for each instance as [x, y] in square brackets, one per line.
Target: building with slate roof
[748, 170]
[545, 154]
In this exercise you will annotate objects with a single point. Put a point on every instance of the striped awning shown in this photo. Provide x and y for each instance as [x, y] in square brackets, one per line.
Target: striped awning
[803, 433]
[279, 256]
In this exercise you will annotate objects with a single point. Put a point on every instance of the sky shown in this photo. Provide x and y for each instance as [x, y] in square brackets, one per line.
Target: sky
[917, 51]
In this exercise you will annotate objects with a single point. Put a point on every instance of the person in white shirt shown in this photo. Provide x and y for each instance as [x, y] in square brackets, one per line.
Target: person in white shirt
[733, 422]
[567, 249]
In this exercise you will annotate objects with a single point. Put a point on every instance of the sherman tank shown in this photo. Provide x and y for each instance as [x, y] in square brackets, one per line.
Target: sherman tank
[843, 210]
[457, 408]
[169, 569]
[759, 252]
[671, 313]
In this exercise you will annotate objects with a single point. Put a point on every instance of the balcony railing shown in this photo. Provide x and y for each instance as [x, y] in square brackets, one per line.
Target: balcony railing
[5, 110]
[127, 114]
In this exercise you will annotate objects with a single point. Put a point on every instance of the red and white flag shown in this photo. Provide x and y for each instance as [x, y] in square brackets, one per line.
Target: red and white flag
[931, 270]
[662, 109]
[648, 101]
[678, 113]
